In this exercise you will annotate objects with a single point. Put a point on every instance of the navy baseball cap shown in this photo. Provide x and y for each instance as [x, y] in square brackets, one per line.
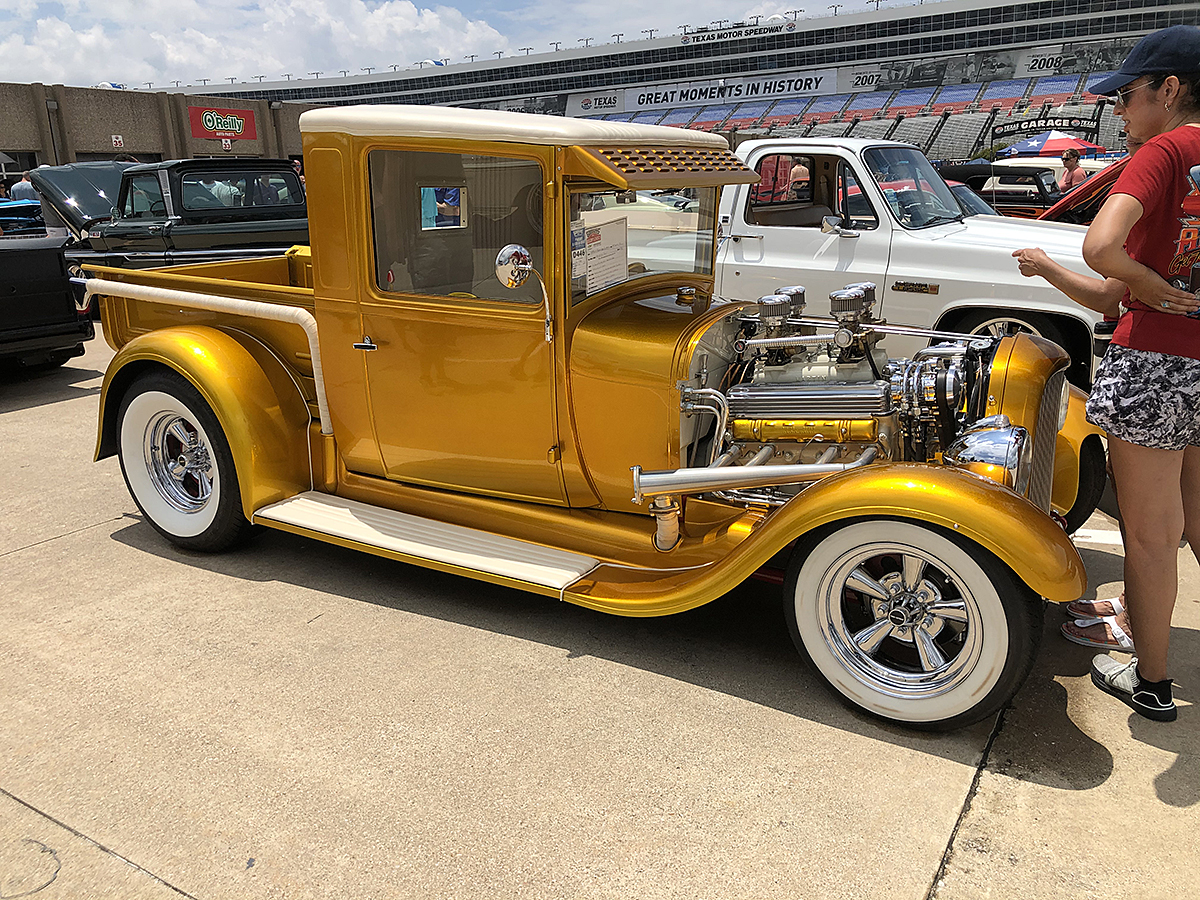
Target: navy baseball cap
[1171, 51]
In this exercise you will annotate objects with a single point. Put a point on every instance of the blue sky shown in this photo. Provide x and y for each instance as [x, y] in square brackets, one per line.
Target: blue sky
[140, 42]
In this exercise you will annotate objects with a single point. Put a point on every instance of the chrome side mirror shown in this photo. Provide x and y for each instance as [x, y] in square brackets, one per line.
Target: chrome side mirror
[514, 265]
[833, 225]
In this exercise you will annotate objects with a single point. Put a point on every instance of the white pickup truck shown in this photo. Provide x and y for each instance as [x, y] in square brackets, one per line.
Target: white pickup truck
[832, 210]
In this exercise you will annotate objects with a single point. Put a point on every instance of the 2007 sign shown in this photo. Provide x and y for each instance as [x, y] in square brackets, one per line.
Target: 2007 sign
[867, 79]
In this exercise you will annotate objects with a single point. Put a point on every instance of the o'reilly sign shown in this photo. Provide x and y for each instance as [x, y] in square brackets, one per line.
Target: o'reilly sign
[211, 123]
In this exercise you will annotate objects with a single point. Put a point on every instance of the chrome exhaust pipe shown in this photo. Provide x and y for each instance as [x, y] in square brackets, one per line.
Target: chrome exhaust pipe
[731, 478]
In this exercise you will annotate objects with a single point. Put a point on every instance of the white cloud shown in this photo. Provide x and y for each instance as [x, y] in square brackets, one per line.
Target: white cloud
[83, 42]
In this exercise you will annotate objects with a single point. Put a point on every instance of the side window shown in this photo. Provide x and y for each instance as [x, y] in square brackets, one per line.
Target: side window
[853, 202]
[200, 190]
[144, 199]
[439, 219]
[787, 194]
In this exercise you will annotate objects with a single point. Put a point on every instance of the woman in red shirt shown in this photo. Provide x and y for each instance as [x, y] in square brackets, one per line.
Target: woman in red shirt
[1146, 394]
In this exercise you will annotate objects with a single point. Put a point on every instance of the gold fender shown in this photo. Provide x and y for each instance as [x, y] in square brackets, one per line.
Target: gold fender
[1069, 450]
[261, 410]
[1023, 537]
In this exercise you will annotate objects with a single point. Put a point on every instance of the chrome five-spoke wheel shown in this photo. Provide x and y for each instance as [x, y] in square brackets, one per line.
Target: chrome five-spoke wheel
[910, 625]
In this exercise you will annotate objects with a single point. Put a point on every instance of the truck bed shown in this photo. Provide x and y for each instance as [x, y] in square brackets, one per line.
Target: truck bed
[283, 280]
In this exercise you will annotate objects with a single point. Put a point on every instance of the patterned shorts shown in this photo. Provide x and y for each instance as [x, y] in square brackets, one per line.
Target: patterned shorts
[1148, 399]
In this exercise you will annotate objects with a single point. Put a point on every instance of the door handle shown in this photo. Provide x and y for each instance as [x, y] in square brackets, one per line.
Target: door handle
[748, 237]
[365, 344]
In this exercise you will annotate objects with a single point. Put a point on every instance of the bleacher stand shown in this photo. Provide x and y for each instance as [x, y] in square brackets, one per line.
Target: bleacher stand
[910, 101]
[1004, 94]
[831, 128]
[746, 114]
[955, 97]
[866, 104]
[825, 108]
[872, 128]
[648, 117]
[959, 135]
[710, 117]
[1053, 89]
[916, 130]
[1112, 133]
[618, 117]
[680, 118]
[783, 112]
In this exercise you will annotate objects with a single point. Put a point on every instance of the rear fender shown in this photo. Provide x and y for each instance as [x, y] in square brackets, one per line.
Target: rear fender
[260, 407]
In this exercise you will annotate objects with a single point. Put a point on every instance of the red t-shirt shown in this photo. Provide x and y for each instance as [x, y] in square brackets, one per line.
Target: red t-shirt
[1166, 238]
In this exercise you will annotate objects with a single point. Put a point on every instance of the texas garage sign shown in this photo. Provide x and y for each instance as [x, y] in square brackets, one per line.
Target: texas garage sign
[214, 124]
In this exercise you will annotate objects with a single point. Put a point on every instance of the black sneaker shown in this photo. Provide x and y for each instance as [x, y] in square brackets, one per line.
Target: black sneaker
[1122, 681]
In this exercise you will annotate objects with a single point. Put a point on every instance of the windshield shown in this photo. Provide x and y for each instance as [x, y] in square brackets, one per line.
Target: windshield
[917, 196]
[616, 236]
[972, 204]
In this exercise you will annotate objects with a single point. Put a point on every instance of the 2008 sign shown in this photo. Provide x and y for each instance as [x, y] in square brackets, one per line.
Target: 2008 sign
[1045, 62]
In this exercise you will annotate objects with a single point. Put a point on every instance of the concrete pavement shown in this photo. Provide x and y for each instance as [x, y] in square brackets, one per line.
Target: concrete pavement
[298, 720]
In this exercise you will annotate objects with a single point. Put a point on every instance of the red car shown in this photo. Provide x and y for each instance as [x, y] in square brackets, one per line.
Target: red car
[1080, 206]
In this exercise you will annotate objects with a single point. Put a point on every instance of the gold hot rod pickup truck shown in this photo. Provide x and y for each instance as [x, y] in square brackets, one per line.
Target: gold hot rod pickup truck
[502, 358]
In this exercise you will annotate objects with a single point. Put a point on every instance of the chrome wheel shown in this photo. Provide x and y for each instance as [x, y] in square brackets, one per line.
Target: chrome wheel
[1002, 326]
[178, 462]
[900, 621]
[910, 623]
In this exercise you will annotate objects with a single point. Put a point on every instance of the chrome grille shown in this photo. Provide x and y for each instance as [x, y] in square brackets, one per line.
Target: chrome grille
[1045, 438]
[800, 401]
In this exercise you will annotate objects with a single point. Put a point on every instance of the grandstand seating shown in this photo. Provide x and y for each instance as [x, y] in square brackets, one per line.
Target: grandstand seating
[618, 117]
[872, 128]
[1004, 94]
[710, 117]
[959, 135]
[825, 108]
[910, 101]
[955, 97]
[783, 112]
[648, 117]
[866, 104]
[747, 114]
[680, 118]
[1053, 89]
[829, 128]
[916, 130]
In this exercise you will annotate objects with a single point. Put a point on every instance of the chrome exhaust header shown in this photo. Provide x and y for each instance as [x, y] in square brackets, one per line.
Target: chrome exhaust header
[729, 478]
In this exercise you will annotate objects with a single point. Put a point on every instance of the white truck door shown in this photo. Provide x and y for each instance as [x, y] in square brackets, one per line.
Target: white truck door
[774, 238]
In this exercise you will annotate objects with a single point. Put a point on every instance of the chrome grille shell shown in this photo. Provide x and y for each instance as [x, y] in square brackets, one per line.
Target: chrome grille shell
[1045, 439]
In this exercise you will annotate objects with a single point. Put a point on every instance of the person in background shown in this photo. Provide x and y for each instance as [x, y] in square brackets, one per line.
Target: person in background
[23, 189]
[1146, 393]
[1074, 174]
[3, 191]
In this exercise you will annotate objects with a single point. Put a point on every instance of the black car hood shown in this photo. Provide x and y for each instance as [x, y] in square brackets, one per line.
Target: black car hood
[81, 193]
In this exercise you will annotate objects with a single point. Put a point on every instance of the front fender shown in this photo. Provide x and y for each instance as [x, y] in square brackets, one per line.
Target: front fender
[1024, 538]
[1068, 450]
[260, 407]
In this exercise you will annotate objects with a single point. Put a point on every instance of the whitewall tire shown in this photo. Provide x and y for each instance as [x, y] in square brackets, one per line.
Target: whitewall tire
[911, 625]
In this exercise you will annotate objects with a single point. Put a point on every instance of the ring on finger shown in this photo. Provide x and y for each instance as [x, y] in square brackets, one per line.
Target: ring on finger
[1165, 304]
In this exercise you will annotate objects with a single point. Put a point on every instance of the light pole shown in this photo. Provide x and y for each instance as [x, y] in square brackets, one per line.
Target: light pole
[619, 35]
[176, 83]
[316, 75]
[470, 56]
[344, 72]
[526, 49]
[835, 7]
[684, 27]
[148, 84]
[287, 75]
[499, 53]
[556, 45]
[204, 81]
[876, 2]
[755, 18]
[587, 42]
[260, 78]
[368, 69]
[794, 12]
[394, 67]
[649, 31]
[230, 79]
[720, 23]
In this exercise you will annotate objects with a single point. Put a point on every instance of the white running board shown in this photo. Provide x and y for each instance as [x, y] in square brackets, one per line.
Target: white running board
[426, 539]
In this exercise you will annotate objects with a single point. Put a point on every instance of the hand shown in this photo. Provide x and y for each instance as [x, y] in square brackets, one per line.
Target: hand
[1032, 261]
[1160, 296]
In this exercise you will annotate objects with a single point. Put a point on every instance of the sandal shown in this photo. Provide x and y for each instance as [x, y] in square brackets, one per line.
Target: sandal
[1094, 609]
[1115, 636]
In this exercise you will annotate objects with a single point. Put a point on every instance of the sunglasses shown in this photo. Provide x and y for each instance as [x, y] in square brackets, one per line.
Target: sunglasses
[1122, 96]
